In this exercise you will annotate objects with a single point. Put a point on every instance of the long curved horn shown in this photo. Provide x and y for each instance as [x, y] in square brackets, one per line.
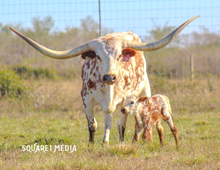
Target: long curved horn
[54, 54]
[161, 43]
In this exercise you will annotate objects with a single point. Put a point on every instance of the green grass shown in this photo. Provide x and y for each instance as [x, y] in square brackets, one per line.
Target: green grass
[199, 135]
[52, 114]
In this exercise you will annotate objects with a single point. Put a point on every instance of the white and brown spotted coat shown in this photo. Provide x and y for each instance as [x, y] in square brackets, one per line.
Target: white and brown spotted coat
[131, 79]
[149, 111]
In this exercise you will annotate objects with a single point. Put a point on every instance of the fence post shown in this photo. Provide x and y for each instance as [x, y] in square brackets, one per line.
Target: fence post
[100, 20]
[191, 67]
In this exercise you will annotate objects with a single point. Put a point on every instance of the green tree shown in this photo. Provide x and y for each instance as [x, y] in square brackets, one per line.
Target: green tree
[159, 32]
[42, 26]
[5, 28]
[205, 37]
[89, 28]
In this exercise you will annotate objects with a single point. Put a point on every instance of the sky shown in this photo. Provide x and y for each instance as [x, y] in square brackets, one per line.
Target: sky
[139, 16]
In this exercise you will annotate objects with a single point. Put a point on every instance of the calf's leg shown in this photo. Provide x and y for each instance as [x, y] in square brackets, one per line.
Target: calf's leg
[147, 134]
[121, 126]
[160, 132]
[173, 128]
[137, 132]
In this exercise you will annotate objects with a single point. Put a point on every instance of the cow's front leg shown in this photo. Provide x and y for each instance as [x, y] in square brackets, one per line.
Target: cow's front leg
[121, 127]
[108, 126]
[92, 124]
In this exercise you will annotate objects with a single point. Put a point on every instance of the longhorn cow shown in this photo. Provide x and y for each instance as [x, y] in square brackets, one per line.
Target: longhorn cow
[114, 70]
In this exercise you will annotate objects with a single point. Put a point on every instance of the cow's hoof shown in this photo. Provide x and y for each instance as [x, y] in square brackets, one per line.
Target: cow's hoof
[121, 142]
[91, 143]
[105, 143]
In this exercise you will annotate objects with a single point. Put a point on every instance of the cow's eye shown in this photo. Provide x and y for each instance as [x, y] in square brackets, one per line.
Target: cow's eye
[132, 103]
[98, 57]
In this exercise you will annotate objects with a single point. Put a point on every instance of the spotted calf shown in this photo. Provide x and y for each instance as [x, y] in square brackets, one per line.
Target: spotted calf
[148, 111]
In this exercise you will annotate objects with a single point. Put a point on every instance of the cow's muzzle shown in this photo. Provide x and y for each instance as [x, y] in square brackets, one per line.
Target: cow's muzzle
[109, 79]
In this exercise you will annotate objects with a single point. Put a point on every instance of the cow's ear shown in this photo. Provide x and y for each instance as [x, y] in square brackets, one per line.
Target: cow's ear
[88, 55]
[128, 51]
[127, 54]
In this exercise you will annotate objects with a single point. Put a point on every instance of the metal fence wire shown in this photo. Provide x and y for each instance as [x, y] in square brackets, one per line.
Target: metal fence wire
[61, 25]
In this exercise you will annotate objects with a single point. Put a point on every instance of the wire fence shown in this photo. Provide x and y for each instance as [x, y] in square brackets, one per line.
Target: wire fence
[62, 25]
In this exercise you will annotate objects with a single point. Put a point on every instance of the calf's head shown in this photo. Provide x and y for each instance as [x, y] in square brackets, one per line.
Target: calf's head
[135, 106]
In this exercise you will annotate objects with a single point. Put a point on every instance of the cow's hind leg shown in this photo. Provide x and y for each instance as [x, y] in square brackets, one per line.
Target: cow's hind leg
[108, 126]
[92, 124]
[121, 126]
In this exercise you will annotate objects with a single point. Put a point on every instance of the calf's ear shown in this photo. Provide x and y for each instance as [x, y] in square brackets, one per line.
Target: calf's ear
[88, 55]
[143, 99]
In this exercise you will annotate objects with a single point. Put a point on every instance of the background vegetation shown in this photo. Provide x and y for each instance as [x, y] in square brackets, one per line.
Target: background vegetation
[40, 101]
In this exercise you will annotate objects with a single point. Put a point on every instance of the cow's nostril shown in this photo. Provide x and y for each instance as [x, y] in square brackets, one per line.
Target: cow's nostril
[109, 79]
[113, 78]
[105, 79]
[123, 110]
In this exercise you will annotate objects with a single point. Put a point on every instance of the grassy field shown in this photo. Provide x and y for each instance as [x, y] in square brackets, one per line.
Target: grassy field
[198, 133]
[52, 114]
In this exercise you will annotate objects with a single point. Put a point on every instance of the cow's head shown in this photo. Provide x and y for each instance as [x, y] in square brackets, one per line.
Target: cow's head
[109, 53]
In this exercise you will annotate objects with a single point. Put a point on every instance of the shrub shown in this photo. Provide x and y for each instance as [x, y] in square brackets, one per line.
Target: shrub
[10, 83]
[27, 72]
